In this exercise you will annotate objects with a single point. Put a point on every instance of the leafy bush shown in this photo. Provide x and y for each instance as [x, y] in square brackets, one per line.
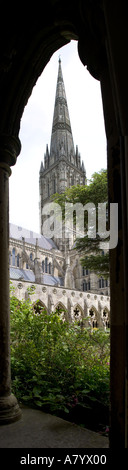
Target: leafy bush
[56, 365]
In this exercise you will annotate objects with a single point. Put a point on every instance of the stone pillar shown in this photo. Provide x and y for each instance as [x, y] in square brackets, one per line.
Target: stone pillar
[118, 411]
[69, 278]
[9, 408]
[116, 53]
[37, 268]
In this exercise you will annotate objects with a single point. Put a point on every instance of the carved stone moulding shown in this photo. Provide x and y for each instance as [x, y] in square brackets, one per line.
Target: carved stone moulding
[54, 291]
[44, 289]
[20, 285]
[10, 148]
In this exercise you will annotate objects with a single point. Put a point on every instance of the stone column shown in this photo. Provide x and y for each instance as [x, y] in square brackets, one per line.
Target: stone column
[9, 408]
[118, 409]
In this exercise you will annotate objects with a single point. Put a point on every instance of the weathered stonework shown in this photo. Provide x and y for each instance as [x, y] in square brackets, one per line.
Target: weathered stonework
[92, 309]
[28, 40]
[44, 262]
[62, 166]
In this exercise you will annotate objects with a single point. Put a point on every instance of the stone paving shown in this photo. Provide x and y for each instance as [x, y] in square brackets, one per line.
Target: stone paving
[36, 429]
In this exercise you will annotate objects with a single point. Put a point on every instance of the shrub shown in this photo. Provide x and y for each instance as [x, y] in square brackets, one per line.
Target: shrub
[56, 365]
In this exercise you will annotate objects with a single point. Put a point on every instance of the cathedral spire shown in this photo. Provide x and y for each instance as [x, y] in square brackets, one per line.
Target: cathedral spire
[61, 138]
[62, 165]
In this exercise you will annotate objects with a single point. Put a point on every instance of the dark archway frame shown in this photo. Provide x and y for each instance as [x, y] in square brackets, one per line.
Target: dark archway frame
[28, 40]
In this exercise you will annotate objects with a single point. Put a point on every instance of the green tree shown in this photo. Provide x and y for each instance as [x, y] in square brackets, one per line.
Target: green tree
[93, 257]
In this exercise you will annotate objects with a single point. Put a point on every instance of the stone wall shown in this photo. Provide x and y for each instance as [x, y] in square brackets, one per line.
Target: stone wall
[70, 303]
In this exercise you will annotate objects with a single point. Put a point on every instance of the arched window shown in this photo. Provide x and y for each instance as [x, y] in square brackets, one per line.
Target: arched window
[78, 314]
[18, 260]
[50, 268]
[39, 307]
[31, 256]
[101, 283]
[13, 257]
[84, 286]
[61, 311]
[83, 271]
[106, 322]
[43, 266]
[93, 318]
[46, 265]
[27, 266]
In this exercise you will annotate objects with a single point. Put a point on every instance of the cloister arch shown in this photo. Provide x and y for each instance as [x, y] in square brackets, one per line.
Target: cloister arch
[78, 313]
[38, 306]
[106, 317]
[26, 46]
[93, 314]
[61, 310]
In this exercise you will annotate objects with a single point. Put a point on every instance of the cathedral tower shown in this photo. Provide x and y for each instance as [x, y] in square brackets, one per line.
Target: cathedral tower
[62, 165]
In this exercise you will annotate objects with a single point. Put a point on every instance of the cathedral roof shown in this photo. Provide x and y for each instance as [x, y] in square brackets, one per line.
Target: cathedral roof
[29, 236]
[28, 275]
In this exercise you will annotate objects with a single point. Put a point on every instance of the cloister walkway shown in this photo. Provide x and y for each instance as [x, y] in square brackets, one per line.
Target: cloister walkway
[36, 429]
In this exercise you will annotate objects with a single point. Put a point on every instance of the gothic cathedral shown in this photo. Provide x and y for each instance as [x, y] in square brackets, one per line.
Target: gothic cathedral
[55, 272]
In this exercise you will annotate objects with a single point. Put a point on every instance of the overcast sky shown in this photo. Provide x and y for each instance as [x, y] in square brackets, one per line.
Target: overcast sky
[87, 122]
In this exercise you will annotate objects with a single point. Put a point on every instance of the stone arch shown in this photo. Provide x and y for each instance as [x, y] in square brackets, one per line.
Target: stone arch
[78, 313]
[13, 256]
[106, 317]
[38, 305]
[93, 317]
[27, 45]
[61, 310]
[18, 260]
[31, 52]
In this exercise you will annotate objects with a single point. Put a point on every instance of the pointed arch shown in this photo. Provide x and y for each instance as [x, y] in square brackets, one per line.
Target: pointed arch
[18, 260]
[94, 316]
[13, 256]
[78, 313]
[38, 307]
[61, 310]
[31, 256]
[46, 264]
[106, 317]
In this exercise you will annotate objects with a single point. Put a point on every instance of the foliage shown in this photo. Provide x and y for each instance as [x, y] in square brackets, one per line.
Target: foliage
[56, 365]
[95, 192]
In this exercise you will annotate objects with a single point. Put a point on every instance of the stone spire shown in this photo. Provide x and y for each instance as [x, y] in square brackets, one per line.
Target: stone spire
[61, 139]
[62, 166]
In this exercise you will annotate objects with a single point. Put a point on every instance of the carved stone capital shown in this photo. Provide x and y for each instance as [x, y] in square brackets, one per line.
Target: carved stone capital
[10, 148]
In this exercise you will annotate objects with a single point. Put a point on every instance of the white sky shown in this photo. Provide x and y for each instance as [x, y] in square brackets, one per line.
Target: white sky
[87, 122]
